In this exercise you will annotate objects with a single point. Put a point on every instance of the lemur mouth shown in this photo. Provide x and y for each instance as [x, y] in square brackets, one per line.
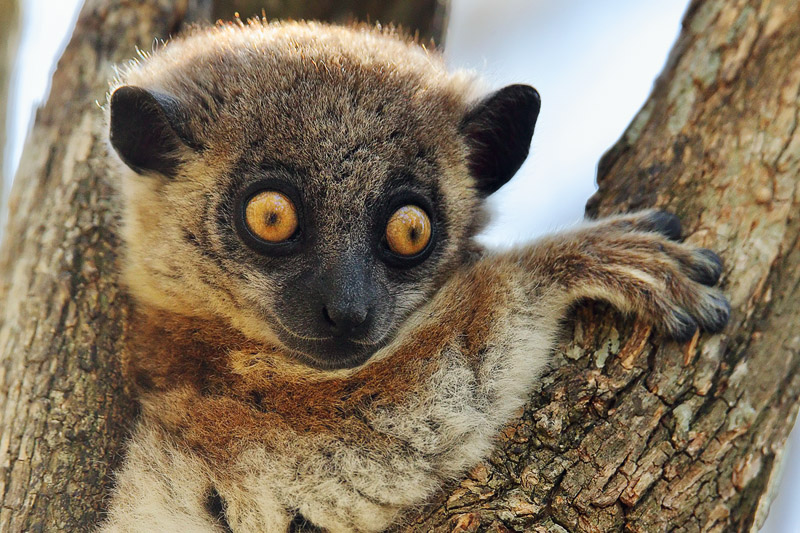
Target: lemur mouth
[332, 353]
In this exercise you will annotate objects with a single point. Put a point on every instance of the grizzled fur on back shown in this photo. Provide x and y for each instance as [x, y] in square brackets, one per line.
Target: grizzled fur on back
[259, 410]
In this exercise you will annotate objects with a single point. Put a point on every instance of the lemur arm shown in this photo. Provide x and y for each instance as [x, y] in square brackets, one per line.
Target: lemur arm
[635, 263]
[632, 261]
[507, 308]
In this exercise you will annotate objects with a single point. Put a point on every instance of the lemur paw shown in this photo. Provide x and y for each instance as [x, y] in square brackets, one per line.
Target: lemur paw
[662, 222]
[690, 296]
[696, 302]
[666, 281]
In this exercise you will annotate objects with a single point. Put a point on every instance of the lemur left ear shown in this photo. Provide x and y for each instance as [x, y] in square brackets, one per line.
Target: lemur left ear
[147, 130]
[499, 131]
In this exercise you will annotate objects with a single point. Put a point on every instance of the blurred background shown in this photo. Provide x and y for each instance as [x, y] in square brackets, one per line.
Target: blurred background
[593, 63]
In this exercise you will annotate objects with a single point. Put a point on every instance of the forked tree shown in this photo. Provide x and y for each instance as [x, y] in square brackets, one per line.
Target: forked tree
[628, 432]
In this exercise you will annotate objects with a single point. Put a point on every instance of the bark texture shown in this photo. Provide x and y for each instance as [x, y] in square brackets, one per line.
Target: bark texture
[63, 410]
[9, 33]
[630, 433]
[428, 18]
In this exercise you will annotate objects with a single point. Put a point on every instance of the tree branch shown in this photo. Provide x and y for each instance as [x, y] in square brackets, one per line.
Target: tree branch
[630, 433]
[64, 412]
[9, 30]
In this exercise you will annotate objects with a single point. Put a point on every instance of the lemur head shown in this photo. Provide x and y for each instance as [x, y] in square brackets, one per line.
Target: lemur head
[312, 185]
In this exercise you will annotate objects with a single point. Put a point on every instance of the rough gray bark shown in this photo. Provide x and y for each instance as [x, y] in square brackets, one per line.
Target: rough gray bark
[630, 433]
[427, 17]
[9, 33]
[63, 410]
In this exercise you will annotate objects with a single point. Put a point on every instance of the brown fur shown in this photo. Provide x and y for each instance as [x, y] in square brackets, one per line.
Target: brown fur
[229, 408]
[224, 388]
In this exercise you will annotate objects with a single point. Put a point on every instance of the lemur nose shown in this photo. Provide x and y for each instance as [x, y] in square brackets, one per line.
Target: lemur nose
[346, 320]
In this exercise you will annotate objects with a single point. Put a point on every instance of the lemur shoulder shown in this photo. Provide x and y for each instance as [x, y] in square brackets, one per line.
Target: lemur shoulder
[317, 333]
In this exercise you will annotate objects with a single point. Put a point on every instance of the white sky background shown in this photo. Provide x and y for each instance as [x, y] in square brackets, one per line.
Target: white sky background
[45, 28]
[593, 63]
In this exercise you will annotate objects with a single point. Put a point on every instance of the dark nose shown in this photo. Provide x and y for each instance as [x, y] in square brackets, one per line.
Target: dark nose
[347, 293]
[346, 319]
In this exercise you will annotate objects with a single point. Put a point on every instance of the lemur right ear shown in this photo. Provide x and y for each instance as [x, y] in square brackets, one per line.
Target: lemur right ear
[499, 131]
[145, 128]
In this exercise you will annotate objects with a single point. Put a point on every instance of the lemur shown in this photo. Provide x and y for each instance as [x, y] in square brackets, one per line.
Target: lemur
[317, 333]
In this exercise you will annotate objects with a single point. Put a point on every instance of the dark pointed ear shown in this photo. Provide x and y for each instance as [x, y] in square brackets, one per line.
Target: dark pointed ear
[145, 129]
[499, 131]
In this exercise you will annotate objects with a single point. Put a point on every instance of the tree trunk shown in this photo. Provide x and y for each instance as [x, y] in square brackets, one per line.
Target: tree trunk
[627, 433]
[64, 413]
[9, 32]
[631, 433]
[427, 18]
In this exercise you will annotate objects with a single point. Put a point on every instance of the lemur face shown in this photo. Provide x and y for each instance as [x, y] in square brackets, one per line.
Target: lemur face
[347, 251]
[313, 196]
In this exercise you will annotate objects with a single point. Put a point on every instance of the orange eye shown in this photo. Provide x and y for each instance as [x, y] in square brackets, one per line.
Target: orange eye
[408, 231]
[271, 216]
